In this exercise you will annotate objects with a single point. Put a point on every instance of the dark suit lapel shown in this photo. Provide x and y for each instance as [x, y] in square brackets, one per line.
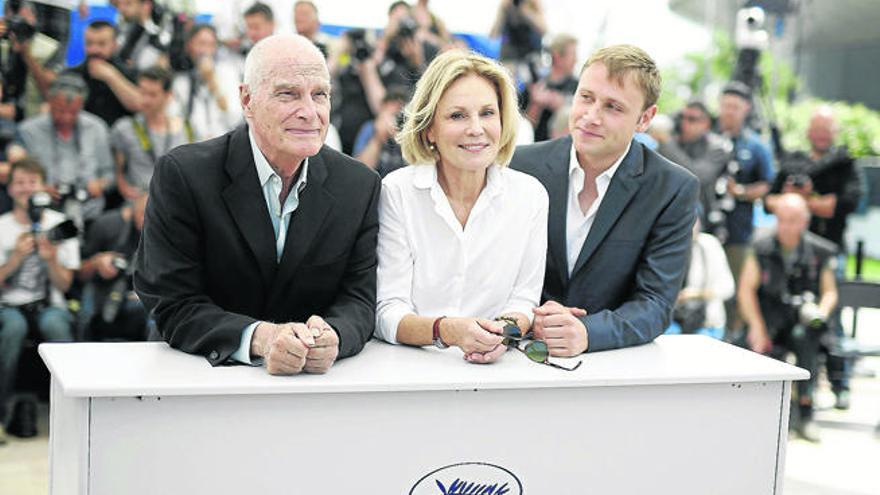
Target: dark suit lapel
[244, 200]
[620, 192]
[557, 188]
[306, 222]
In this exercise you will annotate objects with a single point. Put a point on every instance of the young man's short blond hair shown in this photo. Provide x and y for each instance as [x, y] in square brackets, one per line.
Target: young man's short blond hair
[622, 60]
[440, 75]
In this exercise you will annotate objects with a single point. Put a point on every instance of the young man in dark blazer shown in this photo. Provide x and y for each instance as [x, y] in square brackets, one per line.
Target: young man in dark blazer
[620, 214]
[260, 245]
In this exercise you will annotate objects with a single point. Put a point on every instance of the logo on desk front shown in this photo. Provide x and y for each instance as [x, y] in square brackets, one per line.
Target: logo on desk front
[468, 478]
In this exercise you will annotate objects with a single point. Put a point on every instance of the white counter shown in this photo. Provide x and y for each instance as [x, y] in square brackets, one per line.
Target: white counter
[685, 414]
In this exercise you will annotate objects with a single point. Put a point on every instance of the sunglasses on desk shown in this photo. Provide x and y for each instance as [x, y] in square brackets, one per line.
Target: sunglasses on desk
[536, 350]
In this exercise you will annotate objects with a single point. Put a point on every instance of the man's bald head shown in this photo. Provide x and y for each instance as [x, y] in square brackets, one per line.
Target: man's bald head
[822, 130]
[285, 99]
[280, 50]
[792, 204]
[792, 218]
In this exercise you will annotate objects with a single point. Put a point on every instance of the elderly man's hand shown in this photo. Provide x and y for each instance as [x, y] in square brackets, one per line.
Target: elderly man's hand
[323, 354]
[283, 347]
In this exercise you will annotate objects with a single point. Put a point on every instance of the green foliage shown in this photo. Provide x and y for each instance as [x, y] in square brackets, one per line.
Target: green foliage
[870, 269]
[859, 125]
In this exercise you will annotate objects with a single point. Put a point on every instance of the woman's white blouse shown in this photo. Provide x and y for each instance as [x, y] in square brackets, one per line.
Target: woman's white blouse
[430, 266]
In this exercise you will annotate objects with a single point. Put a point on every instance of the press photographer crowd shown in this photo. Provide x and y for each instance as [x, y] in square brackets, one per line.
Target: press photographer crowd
[79, 145]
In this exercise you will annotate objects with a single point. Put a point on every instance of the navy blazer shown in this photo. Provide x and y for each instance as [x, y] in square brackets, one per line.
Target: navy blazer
[206, 265]
[630, 269]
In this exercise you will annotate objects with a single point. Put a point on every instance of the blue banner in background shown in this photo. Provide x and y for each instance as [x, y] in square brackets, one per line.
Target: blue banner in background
[76, 51]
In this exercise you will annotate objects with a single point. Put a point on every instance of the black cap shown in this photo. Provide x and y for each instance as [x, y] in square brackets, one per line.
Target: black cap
[737, 88]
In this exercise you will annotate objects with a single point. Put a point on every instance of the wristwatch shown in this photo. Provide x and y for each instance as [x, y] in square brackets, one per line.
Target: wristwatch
[438, 342]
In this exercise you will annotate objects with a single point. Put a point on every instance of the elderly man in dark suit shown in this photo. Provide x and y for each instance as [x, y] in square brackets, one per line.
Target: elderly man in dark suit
[260, 245]
[620, 214]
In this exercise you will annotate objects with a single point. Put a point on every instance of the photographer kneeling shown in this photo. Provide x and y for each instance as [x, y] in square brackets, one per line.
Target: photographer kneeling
[36, 268]
[778, 296]
[116, 311]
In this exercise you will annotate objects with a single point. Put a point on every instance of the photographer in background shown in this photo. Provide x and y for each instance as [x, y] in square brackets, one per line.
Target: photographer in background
[375, 145]
[405, 56]
[708, 156]
[746, 179]
[34, 272]
[206, 94]
[707, 284]
[145, 34]
[786, 293]
[29, 61]
[74, 145]
[307, 23]
[112, 92]
[358, 90]
[521, 26]
[830, 182]
[554, 91]
[116, 312]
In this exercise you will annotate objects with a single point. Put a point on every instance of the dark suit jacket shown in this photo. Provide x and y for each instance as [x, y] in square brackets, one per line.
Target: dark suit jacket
[631, 266]
[206, 265]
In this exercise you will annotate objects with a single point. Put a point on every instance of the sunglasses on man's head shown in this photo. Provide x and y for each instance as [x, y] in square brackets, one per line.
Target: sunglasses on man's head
[536, 350]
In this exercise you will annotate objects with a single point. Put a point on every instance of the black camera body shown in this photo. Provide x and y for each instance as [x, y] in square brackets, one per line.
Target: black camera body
[406, 28]
[799, 180]
[20, 28]
[360, 48]
[37, 204]
[119, 290]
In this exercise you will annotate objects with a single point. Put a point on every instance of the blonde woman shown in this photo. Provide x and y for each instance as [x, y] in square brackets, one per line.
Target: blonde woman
[462, 238]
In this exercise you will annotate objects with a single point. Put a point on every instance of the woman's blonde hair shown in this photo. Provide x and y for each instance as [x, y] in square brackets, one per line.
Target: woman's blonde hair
[440, 75]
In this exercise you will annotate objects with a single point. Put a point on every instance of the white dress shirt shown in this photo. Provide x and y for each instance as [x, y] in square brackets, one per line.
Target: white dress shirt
[429, 265]
[578, 223]
[709, 270]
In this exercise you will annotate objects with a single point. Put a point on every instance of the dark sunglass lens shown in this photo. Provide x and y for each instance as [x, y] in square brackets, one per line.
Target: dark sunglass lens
[511, 330]
[537, 351]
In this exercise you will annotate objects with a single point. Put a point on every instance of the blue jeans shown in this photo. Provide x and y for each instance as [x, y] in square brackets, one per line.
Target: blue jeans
[53, 325]
[839, 369]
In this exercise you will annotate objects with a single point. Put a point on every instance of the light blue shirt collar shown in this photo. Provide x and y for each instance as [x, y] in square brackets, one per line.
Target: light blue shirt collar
[270, 183]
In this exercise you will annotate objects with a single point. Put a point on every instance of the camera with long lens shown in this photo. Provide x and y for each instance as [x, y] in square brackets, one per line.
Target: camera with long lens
[71, 203]
[799, 180]
[807, 309]
[360, 48]
[722, 204]
[406, 28]
[406, 31]
[20, 28]
[16, 25]
[37, 204]
[118, 291]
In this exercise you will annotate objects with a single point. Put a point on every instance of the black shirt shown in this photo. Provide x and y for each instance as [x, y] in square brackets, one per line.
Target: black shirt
[834, 173]
[785, 276]
[102, 101]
